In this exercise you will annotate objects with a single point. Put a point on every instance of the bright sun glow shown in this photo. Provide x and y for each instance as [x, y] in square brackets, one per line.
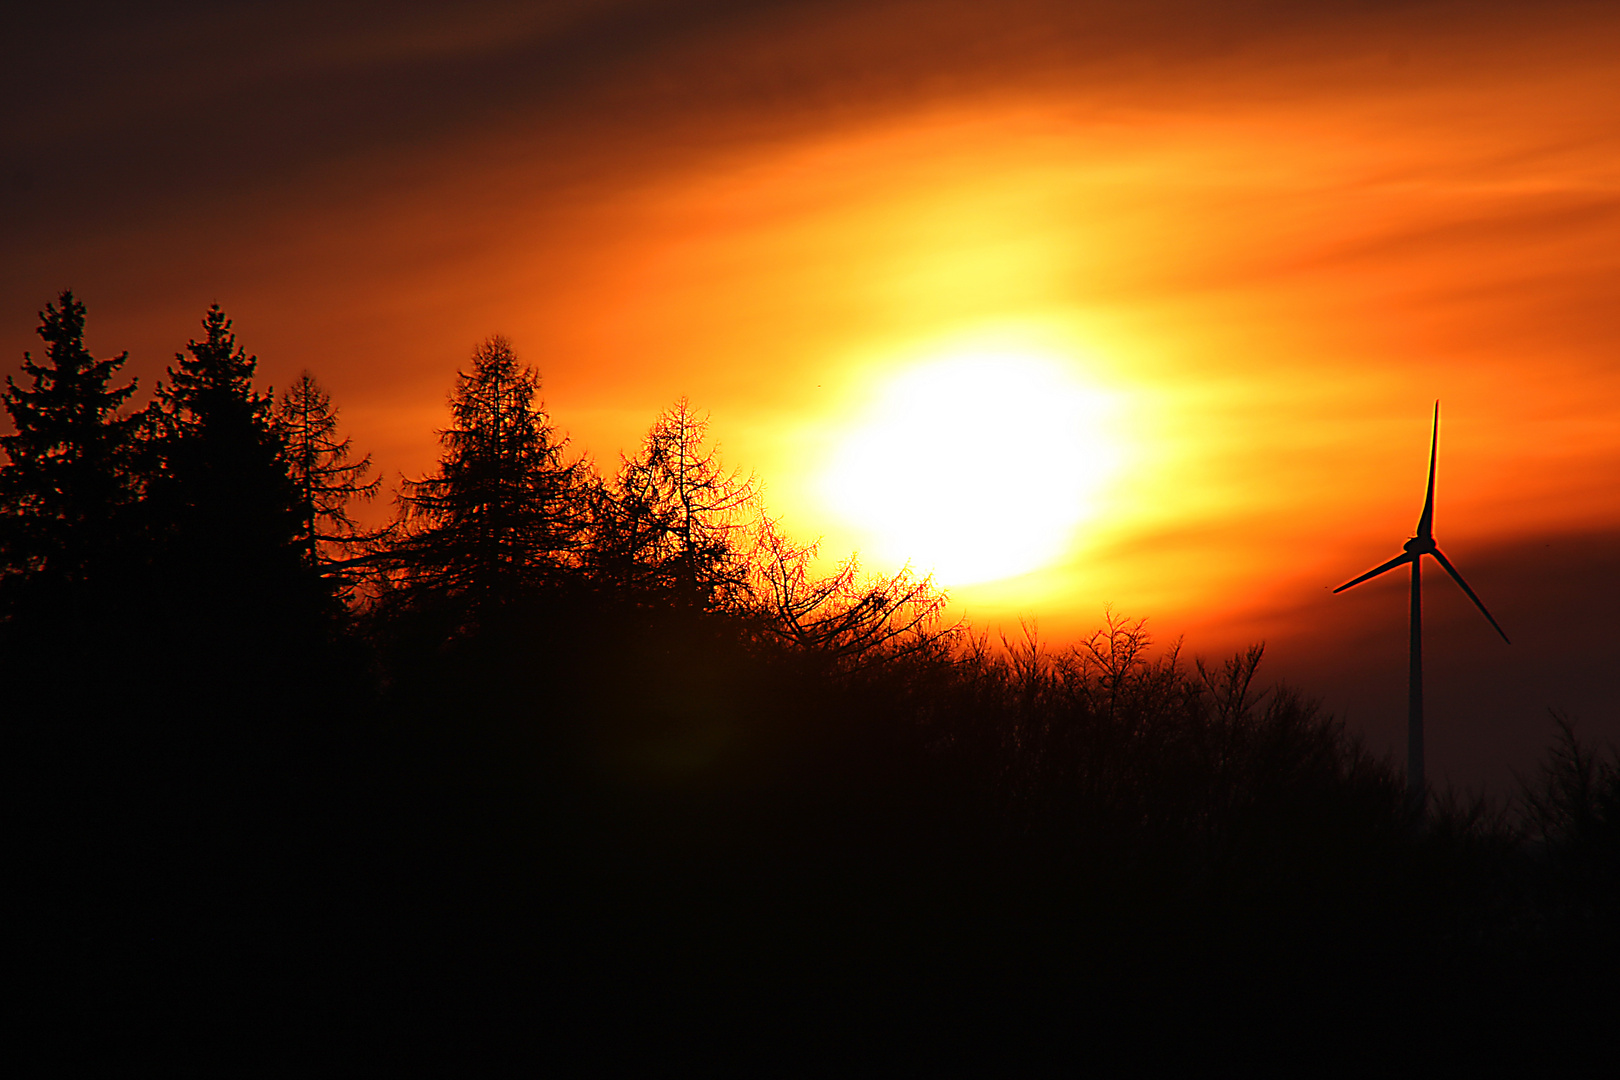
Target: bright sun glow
[977, 465]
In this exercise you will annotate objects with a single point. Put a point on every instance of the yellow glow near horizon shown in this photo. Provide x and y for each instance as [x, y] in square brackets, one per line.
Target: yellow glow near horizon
[1275, 327]
[975, 464]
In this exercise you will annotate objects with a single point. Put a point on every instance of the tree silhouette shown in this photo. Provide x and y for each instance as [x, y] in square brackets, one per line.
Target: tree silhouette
[1571, 808]
[505, 513]
[69, 468]
[672, 519]
[850, 621]
[325, 478]
[222, 504]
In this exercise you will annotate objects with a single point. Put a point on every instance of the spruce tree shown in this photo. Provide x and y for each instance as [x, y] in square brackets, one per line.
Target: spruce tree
[69, 473]
[222, 501]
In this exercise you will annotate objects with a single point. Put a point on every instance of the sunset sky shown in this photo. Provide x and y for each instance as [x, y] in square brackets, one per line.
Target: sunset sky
[1075, 303]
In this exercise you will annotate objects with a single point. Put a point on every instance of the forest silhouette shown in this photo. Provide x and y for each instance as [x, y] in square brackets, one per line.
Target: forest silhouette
[601, 769]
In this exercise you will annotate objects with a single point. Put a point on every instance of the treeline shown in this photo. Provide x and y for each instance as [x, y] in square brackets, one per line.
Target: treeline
[598, 768]
[228, 500]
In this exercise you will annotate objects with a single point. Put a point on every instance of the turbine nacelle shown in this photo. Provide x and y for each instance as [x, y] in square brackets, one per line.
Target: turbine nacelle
[1420, 545]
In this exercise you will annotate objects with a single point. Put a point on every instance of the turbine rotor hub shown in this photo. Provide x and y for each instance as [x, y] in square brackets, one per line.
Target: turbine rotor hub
[1420, 545]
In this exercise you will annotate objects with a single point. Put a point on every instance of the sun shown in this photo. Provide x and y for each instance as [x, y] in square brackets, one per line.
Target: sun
[976, 464]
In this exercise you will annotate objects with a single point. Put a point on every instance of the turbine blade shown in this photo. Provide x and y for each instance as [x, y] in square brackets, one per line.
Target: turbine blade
[1458, 578]
[1426, 522]
[1398, 560]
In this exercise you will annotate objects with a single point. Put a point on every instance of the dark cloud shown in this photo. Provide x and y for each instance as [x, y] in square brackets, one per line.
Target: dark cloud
[114, 111]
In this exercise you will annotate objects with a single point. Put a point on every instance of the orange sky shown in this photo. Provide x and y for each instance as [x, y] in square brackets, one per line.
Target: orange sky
[1256, 242]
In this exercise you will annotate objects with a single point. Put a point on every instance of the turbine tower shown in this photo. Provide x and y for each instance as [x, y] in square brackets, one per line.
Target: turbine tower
[1420, 545]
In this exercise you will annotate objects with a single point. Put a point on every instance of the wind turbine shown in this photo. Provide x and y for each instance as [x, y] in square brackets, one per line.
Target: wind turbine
[1420, 545]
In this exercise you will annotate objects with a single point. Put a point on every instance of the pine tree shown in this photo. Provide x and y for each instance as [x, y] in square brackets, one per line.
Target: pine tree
[69, 465]
[674, 516]
[326, 480]
[505, 514]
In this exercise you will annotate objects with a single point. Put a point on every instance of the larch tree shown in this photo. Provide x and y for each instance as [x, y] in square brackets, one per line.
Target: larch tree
[326, 478]
[846, 620]
[505, 514]
[674, 518]
[69, 470]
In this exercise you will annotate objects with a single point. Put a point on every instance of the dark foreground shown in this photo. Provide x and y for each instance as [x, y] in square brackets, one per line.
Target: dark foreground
[590, 840]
